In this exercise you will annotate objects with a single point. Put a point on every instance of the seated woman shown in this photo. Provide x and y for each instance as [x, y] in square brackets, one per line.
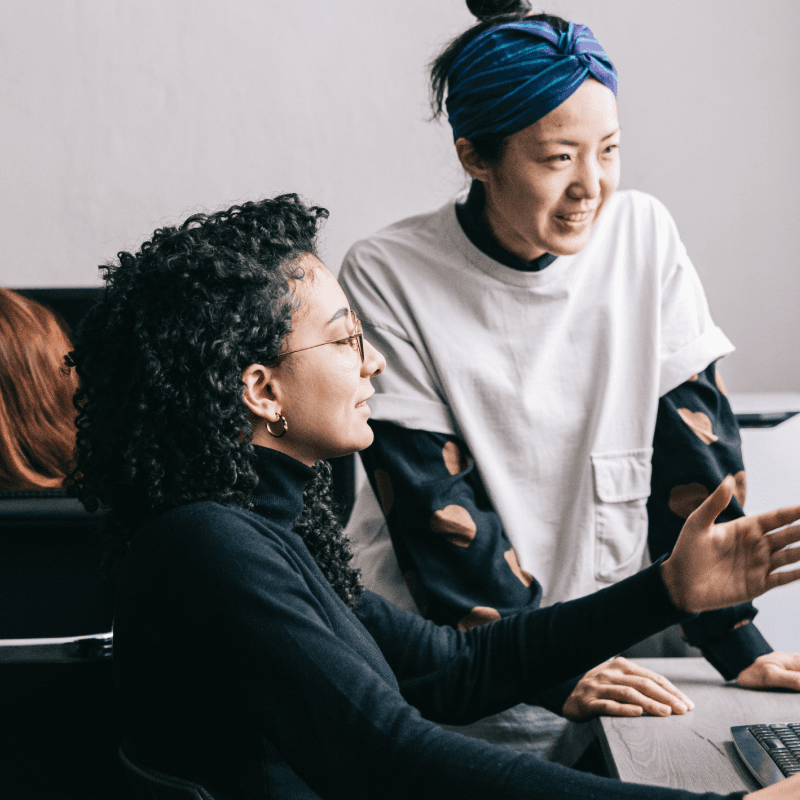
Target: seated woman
[37, 418]
[221, 366]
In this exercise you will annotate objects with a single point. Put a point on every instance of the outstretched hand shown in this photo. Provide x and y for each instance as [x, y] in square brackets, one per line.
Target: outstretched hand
[713, 566]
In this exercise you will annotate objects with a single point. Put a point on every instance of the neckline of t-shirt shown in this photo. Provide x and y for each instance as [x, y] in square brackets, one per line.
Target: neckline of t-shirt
[496, 269]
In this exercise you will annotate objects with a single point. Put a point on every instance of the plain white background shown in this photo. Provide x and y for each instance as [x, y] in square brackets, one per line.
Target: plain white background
[120, 116]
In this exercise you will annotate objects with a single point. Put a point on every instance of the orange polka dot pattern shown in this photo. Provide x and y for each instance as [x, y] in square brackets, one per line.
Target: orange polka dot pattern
[685, 499]
[513, 562]
[435, 504]
[480, 615]
[454, 459]
[455, 524]
[700, 424]
[720, 383]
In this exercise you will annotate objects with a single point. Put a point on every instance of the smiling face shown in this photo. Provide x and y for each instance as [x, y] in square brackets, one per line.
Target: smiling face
[553, 178]
[320, 391]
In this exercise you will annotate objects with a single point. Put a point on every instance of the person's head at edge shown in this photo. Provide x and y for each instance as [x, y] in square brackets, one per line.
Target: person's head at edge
[209, 340]
[531, 99]
[37, 417]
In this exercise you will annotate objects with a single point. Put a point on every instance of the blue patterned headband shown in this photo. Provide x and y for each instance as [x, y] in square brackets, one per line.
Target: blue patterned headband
[515, 73]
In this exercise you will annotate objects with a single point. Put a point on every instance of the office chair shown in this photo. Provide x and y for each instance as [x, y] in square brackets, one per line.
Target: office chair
[60, 726]
[154, 785]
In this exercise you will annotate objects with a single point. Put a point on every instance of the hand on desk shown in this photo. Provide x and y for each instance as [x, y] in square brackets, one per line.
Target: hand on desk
[620, 688]
[772, 671]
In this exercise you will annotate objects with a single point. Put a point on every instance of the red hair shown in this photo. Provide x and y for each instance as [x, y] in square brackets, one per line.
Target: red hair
[37, 417]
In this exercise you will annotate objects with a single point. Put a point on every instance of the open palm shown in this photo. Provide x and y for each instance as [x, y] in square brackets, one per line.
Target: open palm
[713, 566]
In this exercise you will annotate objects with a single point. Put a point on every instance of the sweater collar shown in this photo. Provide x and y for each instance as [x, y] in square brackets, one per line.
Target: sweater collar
[281, 481]
[470, 217]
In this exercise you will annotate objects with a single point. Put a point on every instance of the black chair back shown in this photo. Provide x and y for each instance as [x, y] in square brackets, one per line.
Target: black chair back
[60, 728]
[51, 577]
[150, 784]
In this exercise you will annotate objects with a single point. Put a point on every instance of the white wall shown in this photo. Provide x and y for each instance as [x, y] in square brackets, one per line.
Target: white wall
[119, 116]
[773, 480]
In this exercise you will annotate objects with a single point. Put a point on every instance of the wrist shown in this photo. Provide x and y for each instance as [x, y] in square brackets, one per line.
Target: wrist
[669, 577]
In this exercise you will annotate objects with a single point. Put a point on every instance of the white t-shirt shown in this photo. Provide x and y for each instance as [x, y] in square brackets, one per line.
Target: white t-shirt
[552, 379]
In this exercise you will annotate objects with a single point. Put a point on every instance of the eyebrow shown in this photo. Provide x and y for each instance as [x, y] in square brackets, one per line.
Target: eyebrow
[342, 312]
[577, 144]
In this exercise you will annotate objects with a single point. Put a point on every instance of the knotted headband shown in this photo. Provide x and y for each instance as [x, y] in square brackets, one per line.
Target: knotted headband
[515, 73]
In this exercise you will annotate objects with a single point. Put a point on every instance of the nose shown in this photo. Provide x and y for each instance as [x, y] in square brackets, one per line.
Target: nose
[374, 362]
[587, 179]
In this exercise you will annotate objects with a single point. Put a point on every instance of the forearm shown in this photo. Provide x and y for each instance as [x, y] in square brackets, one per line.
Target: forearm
[450, 544]
[458, 676]
[696, 444]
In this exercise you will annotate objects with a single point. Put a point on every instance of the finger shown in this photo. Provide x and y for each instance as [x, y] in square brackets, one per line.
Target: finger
[627, 695]
[705, 515]
[770, 520]
[784, 660]
[676, 700]
[672, 689]
[784, 537]
[632, 668]
[652, 685]
[781, 679]
[775, 579]
[784, 557]
[610, 708]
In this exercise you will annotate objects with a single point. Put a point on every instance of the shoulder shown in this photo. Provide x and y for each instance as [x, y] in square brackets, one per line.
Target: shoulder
[203, 517]
[639, 207]
[208, 535]
[394, 244]
[636, 226]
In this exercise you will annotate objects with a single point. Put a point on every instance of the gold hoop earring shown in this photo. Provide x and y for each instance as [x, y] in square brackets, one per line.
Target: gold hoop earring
[284, 426]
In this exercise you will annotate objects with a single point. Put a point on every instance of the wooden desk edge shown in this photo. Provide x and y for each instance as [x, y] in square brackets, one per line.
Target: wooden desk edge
[694, 752]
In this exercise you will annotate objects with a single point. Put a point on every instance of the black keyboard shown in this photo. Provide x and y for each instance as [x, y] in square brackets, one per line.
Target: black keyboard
[771, 752]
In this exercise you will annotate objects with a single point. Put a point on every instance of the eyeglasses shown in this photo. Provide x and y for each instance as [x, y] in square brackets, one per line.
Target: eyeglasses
[356, 340]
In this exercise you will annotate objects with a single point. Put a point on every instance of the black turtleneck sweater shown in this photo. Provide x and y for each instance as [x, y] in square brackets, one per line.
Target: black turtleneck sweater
[239, 668]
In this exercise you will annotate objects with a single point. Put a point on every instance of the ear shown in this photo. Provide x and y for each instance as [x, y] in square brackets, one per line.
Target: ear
[470, 160]
[262, 394]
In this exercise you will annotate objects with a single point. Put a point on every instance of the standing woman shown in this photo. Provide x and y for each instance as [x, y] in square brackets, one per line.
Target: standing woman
[552, 406]
[220, 366]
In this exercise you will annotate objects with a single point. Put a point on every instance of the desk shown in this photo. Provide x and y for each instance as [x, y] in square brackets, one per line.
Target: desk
[693, 751]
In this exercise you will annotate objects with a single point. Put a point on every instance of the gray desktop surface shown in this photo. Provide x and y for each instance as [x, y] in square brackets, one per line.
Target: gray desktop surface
[694, 751]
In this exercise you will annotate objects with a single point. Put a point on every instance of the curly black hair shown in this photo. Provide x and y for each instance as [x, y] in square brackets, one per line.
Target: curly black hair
[160, 357]
[490, 13]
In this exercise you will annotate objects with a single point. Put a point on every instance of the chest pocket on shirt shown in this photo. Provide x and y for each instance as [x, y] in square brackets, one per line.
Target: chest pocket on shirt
[621, 489]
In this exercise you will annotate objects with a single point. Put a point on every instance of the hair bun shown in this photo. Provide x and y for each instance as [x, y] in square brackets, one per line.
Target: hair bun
[486, 9]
